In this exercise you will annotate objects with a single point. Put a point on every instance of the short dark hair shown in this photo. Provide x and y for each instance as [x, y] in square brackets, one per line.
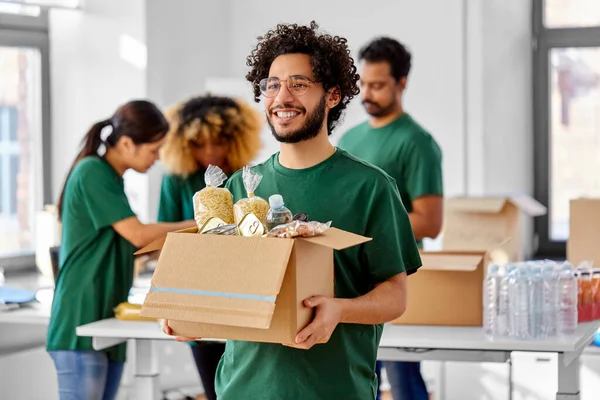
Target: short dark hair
[388, 50]
[331, 62]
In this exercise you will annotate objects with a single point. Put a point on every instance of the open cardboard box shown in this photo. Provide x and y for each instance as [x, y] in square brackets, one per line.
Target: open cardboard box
[491, 224]
[241, 288]
[447, 289]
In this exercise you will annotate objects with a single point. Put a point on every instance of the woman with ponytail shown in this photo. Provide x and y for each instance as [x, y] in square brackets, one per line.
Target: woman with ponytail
[100, 233]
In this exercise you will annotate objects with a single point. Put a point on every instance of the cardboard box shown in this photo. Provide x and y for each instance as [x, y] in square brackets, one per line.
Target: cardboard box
[584, 231]
[492, 224]
[241, 288]
[447, 289]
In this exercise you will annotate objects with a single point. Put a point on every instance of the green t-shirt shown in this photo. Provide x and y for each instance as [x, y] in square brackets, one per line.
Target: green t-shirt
[176, 196]
[358, 198]
[403, 149]
[96, 263]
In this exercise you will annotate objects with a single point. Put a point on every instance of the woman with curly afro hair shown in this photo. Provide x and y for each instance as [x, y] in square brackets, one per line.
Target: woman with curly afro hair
[204, 130]
[306, 79]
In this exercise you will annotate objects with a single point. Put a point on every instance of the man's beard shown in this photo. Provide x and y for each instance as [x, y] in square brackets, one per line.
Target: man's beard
[310, 129]
[380, 111]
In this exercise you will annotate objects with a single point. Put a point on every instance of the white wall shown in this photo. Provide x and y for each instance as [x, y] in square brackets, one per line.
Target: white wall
[95, 67]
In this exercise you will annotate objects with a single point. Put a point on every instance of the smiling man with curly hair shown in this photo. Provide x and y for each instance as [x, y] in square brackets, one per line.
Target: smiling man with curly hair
[307, 79]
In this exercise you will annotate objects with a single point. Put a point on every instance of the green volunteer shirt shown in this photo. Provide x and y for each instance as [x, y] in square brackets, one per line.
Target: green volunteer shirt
[403, 149]
[176, 196]
[96, 263]
[358, 198]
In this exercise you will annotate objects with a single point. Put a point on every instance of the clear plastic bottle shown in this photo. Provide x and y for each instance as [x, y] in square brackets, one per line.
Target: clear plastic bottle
[491, 286]
[536, 302]
[567, 301]
[278, 214]
[550, 298]
[519, 295]
[504, 326]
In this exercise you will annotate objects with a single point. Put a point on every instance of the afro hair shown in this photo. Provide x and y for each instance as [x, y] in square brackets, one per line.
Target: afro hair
[213, 117]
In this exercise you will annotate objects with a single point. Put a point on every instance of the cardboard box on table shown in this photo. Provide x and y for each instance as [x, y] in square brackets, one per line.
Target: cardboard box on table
[491, 224]
[241, 288]
[446, 290]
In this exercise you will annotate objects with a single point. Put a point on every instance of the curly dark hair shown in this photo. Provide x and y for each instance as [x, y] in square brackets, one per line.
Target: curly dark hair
[388, 50]
[331, 62]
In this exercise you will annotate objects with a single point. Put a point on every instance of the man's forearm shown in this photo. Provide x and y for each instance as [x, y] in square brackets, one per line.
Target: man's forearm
[421, 226]
[383, 304]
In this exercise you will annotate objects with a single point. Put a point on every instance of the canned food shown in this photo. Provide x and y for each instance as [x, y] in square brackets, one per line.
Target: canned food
[230, 230]
[250, 226]
[211, 223]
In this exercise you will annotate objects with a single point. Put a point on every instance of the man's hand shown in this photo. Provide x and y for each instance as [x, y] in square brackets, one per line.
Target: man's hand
[328, 314]
[164, 323]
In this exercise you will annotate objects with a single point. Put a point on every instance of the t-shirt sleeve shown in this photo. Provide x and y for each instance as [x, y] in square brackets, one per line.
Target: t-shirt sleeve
[104, 196]
[393, 249]
[169, 205]
[423, 169]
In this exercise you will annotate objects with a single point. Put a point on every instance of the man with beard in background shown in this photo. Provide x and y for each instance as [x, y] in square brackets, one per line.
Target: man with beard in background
[307, 79]
[392, 140]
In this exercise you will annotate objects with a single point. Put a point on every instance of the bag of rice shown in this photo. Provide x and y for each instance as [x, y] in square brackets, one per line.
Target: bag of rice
[252, 204]
[213, 201]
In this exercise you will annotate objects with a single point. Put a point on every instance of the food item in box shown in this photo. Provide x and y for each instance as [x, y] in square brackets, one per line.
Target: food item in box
[251, 226]
[251, 204]
[230, 230]
[212, 223]
[299, 229]
[278, 213]
[213, 201]
[300, 217]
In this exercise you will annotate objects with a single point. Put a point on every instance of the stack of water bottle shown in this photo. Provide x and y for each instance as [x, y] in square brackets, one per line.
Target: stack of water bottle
[530, 300]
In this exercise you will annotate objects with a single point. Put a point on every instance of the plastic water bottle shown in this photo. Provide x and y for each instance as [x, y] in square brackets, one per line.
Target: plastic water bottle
[536, 302]
[519, 288]
[504, 326]
[567, 301]
[550, 298]
[491, 286]
[278, 214]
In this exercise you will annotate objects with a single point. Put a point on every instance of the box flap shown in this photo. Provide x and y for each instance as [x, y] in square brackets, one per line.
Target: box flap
[157, 244]
[199, 278]
[337, 239]
[529, 205]
[465, 261]
[490, 204]
[476, 204]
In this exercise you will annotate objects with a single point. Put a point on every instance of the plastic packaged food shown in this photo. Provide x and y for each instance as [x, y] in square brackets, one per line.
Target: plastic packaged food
[299, 229]
[213, 201]
[129, 312]
[251, 204]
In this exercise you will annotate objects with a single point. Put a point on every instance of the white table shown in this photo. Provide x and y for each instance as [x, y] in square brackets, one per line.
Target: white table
[399, 343]
[420, 343]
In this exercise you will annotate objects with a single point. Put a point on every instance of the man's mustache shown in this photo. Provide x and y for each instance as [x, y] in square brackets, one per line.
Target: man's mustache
[286, 107]
[365, 102]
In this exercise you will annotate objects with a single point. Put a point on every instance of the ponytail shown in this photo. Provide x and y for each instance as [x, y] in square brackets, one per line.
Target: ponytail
[89, 147]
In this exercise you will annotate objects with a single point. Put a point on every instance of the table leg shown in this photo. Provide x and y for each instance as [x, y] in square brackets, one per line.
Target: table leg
[568, 379]
[146, 371]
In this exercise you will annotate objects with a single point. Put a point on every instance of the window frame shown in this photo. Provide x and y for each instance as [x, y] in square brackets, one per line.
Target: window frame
[544, 40]
[30, 31]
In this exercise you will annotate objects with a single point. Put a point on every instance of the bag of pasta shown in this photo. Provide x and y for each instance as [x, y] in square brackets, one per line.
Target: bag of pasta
[213, 201]
[252, 204]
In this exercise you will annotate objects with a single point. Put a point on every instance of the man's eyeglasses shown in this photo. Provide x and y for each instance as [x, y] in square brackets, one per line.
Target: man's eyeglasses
[297, 85]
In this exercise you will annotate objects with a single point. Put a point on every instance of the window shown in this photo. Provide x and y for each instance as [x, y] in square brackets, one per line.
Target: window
[24, 134]
[567, 112]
